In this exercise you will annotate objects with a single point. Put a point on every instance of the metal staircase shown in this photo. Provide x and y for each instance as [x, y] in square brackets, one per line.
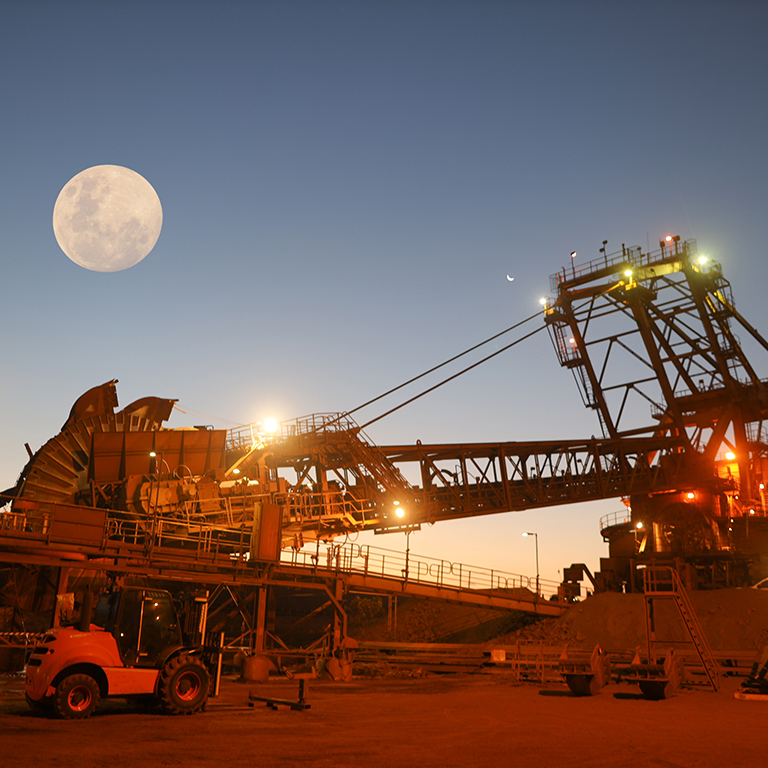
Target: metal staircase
[370, 457]
[663, 583]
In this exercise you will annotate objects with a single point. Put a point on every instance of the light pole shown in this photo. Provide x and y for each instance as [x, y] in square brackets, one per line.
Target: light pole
[159, 466]
[536, 538]
[400, 514]
[158, 471]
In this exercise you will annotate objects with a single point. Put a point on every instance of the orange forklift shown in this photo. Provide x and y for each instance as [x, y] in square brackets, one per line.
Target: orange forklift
[131, 646]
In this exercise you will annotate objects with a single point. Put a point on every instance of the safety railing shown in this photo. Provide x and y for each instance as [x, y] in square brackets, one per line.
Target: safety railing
[250, 435]
[100, 531]
[417, 569]
[615, 518]
[632, 256]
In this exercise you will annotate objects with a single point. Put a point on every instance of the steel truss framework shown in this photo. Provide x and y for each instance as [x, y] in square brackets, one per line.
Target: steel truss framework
[650, 339]
[467, 480]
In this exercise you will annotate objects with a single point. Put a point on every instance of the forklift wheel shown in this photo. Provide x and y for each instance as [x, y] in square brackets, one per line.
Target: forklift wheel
[76, 697]
[184, 684]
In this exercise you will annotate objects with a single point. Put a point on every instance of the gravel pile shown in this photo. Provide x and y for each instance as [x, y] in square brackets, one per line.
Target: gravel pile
[731, 619]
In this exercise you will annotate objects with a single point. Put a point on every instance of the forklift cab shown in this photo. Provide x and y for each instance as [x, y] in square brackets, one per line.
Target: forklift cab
[142, 621]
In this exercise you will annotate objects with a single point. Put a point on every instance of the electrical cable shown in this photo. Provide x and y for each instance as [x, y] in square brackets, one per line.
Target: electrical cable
[207, 415]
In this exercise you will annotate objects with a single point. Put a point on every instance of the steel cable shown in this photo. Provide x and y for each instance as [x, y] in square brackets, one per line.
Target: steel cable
[450, 378]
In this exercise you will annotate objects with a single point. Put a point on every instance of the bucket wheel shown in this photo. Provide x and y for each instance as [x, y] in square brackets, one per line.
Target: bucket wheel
[685, 529]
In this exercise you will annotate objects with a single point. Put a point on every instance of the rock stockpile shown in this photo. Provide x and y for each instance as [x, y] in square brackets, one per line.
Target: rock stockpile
[731, 619]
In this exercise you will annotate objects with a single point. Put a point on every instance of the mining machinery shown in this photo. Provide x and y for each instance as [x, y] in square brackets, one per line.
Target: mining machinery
[132, 647]
[651, 341]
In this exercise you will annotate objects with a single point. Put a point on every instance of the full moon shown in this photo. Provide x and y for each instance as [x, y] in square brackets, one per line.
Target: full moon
[107, 218]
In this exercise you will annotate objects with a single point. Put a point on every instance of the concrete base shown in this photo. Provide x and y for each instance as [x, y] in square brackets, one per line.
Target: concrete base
[254, 669]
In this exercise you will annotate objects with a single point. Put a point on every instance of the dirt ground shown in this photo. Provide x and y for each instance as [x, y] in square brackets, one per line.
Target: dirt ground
[449, 720]
[452, 721]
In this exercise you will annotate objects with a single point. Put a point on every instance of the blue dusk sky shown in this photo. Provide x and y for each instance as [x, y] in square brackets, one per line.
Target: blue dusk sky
[345, 188]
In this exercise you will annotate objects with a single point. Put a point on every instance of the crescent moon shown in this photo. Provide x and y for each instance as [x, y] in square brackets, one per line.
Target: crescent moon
[107, 218]
[511, 279]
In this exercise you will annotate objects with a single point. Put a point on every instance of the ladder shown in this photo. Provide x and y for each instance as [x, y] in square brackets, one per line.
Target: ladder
[663, 582]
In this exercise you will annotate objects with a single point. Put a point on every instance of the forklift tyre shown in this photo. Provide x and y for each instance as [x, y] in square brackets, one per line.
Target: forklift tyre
[184, 684]
[76, 697]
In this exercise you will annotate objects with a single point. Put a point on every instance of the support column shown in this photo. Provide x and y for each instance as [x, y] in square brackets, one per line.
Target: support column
[61, 589]
[259, 635]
